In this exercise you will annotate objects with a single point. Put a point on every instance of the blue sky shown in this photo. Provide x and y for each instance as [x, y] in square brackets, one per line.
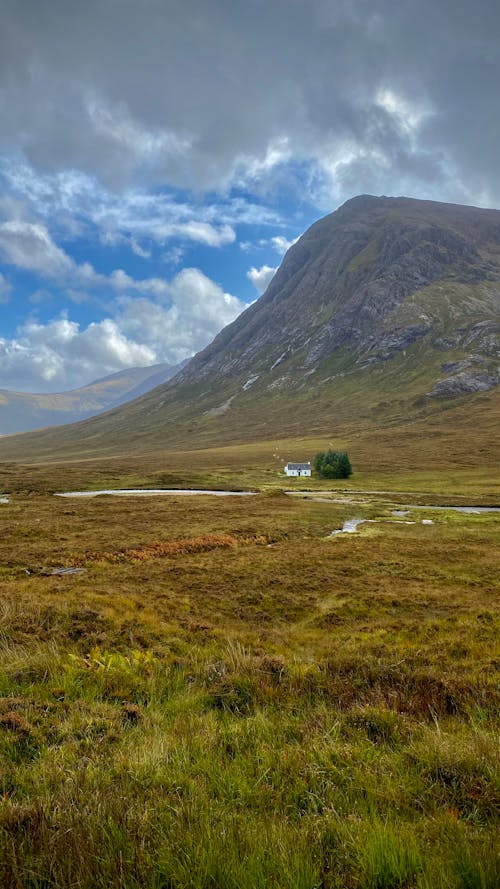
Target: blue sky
[158, 157]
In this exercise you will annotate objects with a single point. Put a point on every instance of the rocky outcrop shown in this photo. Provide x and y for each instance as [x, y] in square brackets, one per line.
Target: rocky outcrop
[464, 383]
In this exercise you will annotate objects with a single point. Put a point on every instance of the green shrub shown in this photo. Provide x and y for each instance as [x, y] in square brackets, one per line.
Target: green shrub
[333, 464]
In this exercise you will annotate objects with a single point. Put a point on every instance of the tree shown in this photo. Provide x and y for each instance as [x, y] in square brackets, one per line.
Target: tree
[333, 464]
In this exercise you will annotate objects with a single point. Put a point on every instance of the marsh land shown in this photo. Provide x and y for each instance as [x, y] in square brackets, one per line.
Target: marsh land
[226, 695]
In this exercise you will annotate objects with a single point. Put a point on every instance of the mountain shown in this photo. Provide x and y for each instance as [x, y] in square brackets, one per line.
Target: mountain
[20, 411]
[385, 313]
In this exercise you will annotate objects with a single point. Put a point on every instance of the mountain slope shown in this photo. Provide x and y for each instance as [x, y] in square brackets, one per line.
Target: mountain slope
[20, 411]
[386, 312]
[345, 286]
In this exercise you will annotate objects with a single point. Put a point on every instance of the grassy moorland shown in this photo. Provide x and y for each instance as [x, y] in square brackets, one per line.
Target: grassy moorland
[228, 697]
[383, 415]
[437, 460]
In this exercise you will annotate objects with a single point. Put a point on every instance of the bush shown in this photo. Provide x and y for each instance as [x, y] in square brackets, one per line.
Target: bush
[333, 464]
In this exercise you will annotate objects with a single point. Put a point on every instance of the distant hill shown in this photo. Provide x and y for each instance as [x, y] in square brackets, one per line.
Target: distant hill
[22, 411]
[386, 313]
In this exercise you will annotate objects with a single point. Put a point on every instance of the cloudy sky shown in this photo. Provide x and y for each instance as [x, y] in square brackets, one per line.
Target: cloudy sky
[158, 157]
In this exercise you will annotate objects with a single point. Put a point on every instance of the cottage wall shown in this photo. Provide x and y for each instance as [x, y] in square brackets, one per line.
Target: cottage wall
[296, 472]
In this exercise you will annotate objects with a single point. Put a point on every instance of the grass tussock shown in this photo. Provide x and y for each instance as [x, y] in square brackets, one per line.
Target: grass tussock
[247, 703]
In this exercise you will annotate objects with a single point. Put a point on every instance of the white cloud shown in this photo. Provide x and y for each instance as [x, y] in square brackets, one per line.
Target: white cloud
[278, 243]
[260, 278]
[154, 319]
[191, 311]
[30, 246]
[75, 203]
[204, 233]
[409, 115]
[173, 256]
[131, 142]
[173, 320]
[281, 244]
[248, 167]
[59, 355]
[139, 250]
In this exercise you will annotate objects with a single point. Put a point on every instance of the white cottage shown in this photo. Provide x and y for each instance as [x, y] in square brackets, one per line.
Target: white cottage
[298, 469]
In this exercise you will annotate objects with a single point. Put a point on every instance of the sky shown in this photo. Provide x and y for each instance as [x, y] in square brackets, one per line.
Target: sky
[158, 157]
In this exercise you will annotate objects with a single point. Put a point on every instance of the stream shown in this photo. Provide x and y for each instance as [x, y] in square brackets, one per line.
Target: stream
[350, 526]
[140, 492]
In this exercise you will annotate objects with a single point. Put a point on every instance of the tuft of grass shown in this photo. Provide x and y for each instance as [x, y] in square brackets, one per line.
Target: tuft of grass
[391, 859]
[478, 869]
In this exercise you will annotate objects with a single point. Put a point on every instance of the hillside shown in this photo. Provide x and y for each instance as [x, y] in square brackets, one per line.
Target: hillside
[386, 313]
[22, 411]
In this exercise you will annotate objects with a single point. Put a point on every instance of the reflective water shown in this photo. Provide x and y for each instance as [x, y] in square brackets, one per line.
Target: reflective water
[156, 492]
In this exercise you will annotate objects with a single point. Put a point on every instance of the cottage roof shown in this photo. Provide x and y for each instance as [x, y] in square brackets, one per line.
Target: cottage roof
[298, 465]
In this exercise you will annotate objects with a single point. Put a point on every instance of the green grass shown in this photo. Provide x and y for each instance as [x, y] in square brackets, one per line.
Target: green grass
[296, 712]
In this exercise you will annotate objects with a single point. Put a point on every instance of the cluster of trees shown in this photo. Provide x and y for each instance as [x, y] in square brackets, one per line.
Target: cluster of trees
[333, 464]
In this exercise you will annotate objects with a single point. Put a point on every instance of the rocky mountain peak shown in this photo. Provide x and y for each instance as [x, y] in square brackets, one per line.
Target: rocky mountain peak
[345, 285]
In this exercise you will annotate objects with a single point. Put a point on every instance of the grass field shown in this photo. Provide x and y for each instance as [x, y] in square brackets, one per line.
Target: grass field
[438, 461]
[227, 696]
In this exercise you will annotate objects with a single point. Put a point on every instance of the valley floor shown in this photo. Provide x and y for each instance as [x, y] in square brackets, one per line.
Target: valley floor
[227, 696]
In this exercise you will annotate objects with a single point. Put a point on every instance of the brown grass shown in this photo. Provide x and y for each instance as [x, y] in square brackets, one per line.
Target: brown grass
[161, 548]
[229, 697]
